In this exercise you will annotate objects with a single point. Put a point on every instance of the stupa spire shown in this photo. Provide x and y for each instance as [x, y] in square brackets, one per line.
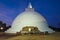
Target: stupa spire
[29, 6]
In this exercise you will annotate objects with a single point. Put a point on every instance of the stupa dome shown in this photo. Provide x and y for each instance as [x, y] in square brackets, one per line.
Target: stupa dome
[29, 18]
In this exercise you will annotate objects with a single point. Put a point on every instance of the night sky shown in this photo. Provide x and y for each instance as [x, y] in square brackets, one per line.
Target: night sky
[50, 9]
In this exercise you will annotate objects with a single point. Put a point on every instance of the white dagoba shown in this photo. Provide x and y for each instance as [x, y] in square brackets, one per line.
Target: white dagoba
[29, 18]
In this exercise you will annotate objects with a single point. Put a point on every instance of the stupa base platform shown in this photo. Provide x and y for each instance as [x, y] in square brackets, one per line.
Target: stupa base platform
[54, 36]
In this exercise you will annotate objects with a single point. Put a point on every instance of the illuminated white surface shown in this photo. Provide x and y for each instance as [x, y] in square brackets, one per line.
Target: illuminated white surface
[29, 6]
[29, 18]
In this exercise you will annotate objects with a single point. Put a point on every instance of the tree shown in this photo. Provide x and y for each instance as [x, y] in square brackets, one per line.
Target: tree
[59, 23]
[3, 27]
[55, 29]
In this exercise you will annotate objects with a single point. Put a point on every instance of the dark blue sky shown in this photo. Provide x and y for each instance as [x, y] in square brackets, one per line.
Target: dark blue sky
[50, 9]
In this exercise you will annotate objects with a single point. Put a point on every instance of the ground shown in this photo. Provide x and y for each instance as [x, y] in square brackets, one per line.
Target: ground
[54, 36]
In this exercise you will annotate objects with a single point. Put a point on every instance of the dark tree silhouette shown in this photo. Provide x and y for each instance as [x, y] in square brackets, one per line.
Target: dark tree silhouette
[55, 29]
[0, 22]
[59, 23]
[3, 27]
[7, 28]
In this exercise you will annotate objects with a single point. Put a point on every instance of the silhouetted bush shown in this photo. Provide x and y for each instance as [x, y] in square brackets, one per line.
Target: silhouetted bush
[55, 29]
[3, 27]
